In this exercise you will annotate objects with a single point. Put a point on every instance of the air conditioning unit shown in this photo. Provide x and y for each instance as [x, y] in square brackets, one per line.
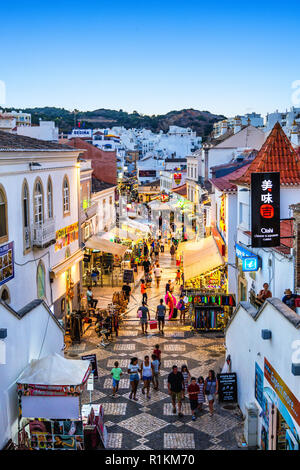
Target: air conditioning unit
[251, 425]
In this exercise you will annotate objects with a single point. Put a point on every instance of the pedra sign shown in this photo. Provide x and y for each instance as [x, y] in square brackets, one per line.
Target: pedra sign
[265, 209]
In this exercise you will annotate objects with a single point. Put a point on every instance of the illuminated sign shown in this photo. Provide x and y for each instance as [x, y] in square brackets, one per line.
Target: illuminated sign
[177, 178]
[250, 261]
[265, 209]
[283, 392]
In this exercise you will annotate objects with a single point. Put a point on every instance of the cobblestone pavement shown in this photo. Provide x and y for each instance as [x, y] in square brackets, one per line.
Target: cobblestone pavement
[150, 423]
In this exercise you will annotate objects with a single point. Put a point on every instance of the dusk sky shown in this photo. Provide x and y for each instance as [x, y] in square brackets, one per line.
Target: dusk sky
[228, 57]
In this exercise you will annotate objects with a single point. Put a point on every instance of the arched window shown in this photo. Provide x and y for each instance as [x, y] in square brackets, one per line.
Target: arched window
[3, 216]
[66, 195]
[49, 198]
[5, 297]
[26, 217]
[41, 290]
[38, 203]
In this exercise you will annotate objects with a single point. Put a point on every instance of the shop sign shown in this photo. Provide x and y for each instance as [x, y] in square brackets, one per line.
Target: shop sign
[177, 178]
[219, 240]
[222, 214]
[250, 261]
[259, 386]
[265, 209]
[282, 391]
[66, 235]
[6, 262]
[227, 387]
[93, 361]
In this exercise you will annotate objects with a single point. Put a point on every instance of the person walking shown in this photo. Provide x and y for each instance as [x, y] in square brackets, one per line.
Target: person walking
[156, 367]
[178, 277]
[201, 394]
[172, 251]
[186, 378]
[146, 265]
[147, 370]
[168, 285]
[157, 353]
[211, 387]
[144, 291]
[157, 274]
[193, 391]
[175, 386]
[160, 316]
[92, 303]
[127, 291]
[133, 371]
[181, 307]
[156, 251]
[116, 373]
[144, 317]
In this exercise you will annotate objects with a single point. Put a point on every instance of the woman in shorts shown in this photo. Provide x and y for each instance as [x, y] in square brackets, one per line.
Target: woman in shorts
[133, 371]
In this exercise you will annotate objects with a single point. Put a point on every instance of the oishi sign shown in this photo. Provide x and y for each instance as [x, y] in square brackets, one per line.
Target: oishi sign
[265, 209]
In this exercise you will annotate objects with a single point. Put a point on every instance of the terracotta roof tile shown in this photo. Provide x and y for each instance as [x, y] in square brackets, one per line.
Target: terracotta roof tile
[13, 142]
[276, 154]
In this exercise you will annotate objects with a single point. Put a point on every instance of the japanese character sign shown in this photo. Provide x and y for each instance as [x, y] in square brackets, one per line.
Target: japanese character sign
[265, 207]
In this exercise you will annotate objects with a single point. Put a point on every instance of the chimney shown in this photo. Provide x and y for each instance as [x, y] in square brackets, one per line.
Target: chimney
[237, 125]
[224, 127]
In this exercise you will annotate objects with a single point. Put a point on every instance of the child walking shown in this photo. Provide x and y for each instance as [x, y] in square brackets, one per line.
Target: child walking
[116, 373]
[201, 394]
[193, 391]
[186, 378]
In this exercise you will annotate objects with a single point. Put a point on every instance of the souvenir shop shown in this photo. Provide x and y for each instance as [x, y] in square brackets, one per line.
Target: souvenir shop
[51, 415]
[209, 311]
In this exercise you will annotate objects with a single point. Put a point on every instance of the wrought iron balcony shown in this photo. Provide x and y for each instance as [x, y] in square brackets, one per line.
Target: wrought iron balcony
[43, 233]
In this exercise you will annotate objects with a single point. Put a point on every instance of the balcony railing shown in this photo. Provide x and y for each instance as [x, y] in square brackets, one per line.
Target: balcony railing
[43, 234]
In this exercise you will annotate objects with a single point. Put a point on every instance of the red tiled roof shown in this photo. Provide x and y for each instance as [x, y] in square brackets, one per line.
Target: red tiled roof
[224, 182]
[276, 154]
[286, 230]
[180, 190]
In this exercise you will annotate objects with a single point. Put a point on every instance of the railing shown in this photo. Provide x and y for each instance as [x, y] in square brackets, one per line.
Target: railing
[43, 233]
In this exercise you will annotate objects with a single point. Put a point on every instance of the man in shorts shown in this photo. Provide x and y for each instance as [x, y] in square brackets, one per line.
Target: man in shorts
[145, 317]
[175, 386]
[160, 316]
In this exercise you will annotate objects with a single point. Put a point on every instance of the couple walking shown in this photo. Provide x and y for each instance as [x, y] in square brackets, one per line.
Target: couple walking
[148, 370]
[144, 316]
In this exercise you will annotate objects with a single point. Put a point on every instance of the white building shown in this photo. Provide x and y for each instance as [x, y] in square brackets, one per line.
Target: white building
[254, 119]
[22, 119]
[279, 259]
[39, 236]
[286, 119]
[264, 349]
[31, 332]
[227, 147]
[149, 169]
[171, 179]
[46, 130]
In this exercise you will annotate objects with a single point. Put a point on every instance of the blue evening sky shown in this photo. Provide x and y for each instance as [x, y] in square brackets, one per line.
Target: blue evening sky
[228, 57]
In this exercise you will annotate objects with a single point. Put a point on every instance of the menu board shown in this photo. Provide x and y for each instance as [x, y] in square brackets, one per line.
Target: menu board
[228, 387]
[6, 262]
[93, 360]
[128, 275]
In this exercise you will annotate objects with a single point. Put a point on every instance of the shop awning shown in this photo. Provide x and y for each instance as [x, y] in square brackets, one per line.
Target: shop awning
[118, 232]
[55, 370]
[98, 243]
[133, 224]
[67, 263]
[202, 257]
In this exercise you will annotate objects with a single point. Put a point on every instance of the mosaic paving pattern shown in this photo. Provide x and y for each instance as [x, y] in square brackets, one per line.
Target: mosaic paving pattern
[150, 423]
